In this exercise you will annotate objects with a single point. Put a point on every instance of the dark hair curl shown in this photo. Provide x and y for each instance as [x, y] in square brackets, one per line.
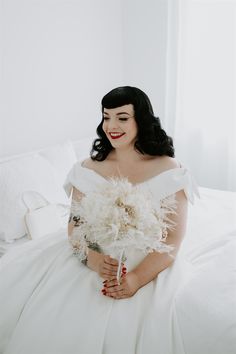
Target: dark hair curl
[151, 138]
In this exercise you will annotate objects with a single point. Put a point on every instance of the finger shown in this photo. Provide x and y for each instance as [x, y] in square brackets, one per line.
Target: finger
[112, 261]
[110, 268]
[111, 275]
[106, 277]
[124, 270]
[117, 294]
[111, 283]
[117, 282]
[110, 264]
[115, 289]
[118, 297]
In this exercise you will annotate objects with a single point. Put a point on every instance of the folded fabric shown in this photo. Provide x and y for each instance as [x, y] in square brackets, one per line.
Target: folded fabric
[42, 220]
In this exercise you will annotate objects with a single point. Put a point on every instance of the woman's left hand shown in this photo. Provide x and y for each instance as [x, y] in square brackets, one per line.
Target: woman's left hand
[128, 286]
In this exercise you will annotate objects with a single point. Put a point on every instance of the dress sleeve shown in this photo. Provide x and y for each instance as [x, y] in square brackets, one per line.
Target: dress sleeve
[76, 178]
[190, 186]
[174, 180]
[69, 182]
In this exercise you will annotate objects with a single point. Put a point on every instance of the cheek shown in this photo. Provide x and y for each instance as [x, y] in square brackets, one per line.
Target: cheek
[104, 126]
[134, 129]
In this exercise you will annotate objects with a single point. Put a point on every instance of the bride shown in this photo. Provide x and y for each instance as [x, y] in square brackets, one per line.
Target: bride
[131, 144]
[57, 303]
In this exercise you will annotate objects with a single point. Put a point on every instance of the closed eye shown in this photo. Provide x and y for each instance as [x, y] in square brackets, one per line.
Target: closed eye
[123, 119]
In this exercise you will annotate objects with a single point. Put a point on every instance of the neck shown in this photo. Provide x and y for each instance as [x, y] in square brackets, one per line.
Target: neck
[127, 155]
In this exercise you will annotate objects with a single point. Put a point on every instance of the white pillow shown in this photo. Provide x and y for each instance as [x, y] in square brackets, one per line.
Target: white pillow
[62, 157]
[18, 175]
[82, 147]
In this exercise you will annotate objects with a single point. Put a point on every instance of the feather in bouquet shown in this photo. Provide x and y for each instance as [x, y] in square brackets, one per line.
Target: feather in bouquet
[117, 216]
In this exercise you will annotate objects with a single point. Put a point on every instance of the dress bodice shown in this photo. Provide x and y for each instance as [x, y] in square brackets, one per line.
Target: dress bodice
[161, 185]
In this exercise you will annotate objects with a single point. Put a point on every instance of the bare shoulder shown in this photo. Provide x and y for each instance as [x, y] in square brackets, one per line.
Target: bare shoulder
[164, 163]
[89, 163]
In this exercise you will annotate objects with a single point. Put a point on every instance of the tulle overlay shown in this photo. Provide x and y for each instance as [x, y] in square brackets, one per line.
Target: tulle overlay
[50, 303]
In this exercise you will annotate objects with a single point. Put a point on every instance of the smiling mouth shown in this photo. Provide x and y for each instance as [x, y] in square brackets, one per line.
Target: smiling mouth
[116, 135]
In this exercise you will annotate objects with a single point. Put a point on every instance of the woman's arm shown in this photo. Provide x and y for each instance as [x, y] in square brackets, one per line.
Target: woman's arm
[74, 219]
[154, 262]
[104, 265]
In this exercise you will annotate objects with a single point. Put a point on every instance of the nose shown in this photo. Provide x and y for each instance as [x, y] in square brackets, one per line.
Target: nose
[112, 124]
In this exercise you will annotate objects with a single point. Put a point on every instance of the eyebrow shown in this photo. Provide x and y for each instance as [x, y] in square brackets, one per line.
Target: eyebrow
[118, 114]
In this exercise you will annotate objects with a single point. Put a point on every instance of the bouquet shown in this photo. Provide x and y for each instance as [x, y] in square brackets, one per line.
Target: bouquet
[117, 216]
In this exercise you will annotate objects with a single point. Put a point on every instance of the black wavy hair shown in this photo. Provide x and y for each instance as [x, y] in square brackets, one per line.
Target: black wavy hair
[151, 138]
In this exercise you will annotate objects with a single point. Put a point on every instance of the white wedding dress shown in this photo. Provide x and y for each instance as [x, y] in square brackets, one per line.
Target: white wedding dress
[50, 303]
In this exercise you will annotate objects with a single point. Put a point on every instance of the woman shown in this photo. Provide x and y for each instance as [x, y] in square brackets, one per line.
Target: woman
[131, 144]
[67, 306]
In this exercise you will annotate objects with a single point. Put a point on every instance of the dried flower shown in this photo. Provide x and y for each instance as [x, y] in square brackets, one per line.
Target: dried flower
[118, 216]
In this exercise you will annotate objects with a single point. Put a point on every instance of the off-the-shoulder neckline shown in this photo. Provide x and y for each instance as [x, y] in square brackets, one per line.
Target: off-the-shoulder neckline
[150, 179]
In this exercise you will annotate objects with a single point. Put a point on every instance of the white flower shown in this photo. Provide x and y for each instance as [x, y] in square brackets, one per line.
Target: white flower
[119, 216]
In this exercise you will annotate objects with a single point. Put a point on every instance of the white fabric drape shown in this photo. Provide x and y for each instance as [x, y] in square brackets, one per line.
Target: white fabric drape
[201, 94]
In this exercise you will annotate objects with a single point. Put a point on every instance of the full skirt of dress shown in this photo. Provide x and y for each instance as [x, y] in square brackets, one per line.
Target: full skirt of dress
[50, 303]
[53, 305]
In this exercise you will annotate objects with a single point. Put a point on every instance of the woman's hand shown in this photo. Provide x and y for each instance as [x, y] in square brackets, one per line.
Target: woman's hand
[129, 285]
[104, 265]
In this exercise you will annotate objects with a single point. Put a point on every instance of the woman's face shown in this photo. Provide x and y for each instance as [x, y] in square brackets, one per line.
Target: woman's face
[120, 126]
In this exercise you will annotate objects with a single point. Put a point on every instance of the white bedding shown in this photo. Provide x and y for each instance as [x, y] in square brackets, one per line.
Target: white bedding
[206, 304]
[42, 171]
[211, 219]
[209, 296]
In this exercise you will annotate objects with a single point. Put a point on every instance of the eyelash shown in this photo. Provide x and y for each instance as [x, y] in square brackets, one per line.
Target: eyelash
[121, 119]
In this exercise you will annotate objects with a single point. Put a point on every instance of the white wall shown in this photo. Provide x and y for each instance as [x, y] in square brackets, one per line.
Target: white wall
[145, 47]
[58, 59]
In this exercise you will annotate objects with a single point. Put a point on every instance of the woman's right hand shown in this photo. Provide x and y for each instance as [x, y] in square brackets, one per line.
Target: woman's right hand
[104, 265]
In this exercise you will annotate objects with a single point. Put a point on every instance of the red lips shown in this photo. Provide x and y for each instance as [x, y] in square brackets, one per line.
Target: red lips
[116, 135]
